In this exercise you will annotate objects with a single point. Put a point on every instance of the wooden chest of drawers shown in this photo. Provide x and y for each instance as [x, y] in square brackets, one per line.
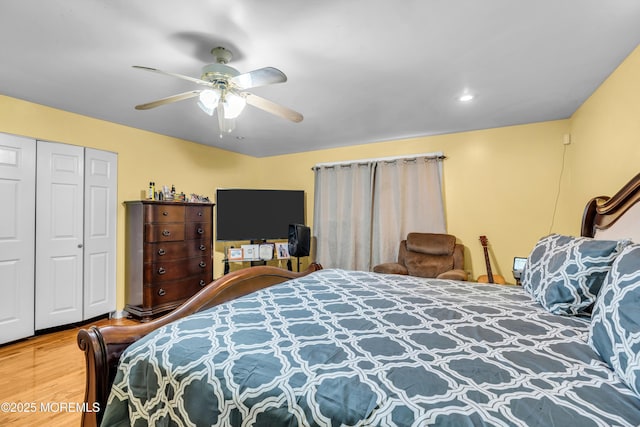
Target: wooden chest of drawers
[168, 254]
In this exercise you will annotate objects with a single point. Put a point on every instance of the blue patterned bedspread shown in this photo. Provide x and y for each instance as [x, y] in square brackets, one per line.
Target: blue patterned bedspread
[355, 348]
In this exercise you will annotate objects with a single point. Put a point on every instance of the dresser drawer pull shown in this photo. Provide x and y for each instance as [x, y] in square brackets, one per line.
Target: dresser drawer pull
[202, 282]
[161, 270]
[166, 233]
[200, 231]
[203, 247]
[161, 252]
[165, 213]
[202, 264]
[199, 213]
[161, 292]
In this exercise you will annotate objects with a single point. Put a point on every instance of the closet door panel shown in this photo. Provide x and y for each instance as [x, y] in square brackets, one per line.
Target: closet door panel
[59, 234]
[17, 220]
[100, 195]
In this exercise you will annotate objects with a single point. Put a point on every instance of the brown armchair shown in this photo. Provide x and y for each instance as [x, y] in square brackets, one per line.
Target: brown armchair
[428, 255]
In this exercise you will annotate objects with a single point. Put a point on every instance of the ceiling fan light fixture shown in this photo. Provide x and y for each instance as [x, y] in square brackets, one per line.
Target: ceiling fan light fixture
[208, 100]
[233, 105]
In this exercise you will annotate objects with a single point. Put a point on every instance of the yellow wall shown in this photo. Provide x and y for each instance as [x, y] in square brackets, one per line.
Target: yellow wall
[605, 149]
[501, 183]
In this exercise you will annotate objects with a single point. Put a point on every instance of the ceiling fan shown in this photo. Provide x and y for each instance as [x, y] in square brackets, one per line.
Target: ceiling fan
[225, 91]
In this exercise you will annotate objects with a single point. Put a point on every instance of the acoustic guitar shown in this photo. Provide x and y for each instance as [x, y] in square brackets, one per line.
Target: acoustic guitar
[489, 277]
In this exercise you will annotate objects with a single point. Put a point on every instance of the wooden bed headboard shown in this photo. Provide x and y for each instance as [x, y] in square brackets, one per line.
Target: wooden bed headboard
[615, 217]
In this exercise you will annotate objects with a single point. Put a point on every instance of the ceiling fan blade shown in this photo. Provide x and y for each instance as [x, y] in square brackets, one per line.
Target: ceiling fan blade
[180, 76]
[168, 100]
[260, 77]
[273, 108]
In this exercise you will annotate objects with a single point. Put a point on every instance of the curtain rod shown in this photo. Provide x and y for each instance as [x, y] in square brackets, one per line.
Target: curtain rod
[438, 155]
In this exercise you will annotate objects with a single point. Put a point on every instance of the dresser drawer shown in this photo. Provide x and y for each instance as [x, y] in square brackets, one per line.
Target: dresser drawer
[175, 291]
[197, 230]
[163, 232]
[198, 214]
[164, 213]
[165, 251]
[176, 269]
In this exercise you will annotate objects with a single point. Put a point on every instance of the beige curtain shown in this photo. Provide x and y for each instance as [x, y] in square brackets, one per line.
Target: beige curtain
[342, 215]
[407, 197]
[363, 209]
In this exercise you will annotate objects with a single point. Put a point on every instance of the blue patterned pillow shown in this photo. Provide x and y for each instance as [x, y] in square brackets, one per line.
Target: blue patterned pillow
[564, 274]
[615, 327]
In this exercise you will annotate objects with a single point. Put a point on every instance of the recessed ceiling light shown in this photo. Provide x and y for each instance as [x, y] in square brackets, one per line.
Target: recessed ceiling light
[465, 97]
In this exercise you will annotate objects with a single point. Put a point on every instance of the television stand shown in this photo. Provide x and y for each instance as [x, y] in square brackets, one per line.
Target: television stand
[254, 261]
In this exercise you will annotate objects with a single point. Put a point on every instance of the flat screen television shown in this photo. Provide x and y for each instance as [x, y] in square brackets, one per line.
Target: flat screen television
[245, 214]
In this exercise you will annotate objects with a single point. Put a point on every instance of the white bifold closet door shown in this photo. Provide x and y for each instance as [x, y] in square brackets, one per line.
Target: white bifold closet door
[17, 234]
[75, 234]
[59, 234]
[100, 201]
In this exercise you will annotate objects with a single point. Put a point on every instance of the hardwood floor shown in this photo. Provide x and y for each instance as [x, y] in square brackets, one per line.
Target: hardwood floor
[42, 379]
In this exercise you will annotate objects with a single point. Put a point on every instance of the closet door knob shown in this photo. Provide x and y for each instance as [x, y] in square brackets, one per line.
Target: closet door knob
[80, 245]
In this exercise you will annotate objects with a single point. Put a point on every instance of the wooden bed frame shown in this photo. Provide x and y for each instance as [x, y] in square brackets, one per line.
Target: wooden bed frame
[103, 346]
[602, 214]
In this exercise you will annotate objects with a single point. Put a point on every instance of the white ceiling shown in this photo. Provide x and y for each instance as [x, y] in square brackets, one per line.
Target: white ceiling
[359, 71]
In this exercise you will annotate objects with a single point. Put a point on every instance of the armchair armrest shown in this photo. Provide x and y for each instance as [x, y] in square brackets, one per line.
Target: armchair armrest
[390, 268]
[454, 275]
